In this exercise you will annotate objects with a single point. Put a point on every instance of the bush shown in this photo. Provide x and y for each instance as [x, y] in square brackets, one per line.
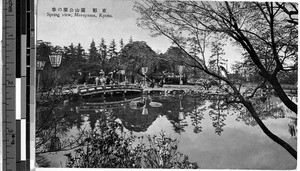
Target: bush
[109, 147]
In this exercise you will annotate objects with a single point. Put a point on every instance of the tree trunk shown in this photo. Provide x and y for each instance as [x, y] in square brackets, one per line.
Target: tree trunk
[275, 138]
[282, 95]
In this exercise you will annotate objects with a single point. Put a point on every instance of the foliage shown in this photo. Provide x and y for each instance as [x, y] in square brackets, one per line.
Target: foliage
[174, 55]
[76, 65]
[52, 121]
[43, 50]
[162, 153]
[112, 49]
[288, 77]
[79, 53]
[217, 115]
[215, 58]
[93, 53]
[121, 44]
[68, 55]
[103, 50]
[266, 33]
[136, 55]
[107, 146]
[130, 40]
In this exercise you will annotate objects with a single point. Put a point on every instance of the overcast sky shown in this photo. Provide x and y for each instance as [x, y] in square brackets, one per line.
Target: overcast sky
[66, 30]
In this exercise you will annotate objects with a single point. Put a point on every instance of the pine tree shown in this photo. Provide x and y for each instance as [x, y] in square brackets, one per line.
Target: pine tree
[103, 50]
[43, 50]
[121, 44]
[217, 51]
[130, 39]
[68, 54]
[79, 53]
[94, 55]
[72, 51]
[112, 48]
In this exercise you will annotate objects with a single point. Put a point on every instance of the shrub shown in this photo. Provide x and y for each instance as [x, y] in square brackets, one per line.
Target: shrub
[108, 146]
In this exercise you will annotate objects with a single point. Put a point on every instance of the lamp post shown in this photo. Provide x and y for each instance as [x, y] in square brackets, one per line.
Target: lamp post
[122, 73]
[181, 114]
[180, 69]
[39, 67]
[55, 60]
[144, 71]
[145, 110]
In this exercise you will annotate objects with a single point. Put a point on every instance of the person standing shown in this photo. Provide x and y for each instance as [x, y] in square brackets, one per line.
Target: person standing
[97, 80]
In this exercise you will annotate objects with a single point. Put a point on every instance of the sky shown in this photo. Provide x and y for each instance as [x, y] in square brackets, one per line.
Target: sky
[66, 30]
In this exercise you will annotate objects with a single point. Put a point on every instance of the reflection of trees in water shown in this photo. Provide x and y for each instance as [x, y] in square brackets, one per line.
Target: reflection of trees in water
[93, 118]
[197, 114]
[293, 127]
[175, 111]
[133, 120]
[175, 108]
[268, 108]
[63, 118]
[179, 126]
[217, 114]
[53, 121]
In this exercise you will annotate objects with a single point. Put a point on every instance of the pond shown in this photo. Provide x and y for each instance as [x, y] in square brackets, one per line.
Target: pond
[214, 135]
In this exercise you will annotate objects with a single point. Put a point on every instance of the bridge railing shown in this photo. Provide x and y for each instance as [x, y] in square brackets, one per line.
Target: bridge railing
[91, 88]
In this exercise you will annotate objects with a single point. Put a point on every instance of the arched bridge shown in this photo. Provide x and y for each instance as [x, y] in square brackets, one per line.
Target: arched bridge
[87, 90]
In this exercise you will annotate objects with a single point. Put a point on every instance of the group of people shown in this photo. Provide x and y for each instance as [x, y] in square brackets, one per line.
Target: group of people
[104, 80]
[159, 84]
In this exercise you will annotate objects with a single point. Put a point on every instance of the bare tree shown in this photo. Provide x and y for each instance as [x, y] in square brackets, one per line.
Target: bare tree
[267, 32]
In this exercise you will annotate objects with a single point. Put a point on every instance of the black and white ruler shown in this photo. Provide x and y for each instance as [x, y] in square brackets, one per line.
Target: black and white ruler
[18, 57]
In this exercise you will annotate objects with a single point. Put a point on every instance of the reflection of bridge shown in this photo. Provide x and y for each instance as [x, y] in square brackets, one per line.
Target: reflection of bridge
[92, 107]
[88, 90]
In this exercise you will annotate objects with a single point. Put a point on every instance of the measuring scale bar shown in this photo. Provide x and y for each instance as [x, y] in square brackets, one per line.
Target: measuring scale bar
[14, 57]
[9, 83]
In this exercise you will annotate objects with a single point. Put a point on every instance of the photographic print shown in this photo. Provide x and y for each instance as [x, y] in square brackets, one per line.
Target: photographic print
[166, 84]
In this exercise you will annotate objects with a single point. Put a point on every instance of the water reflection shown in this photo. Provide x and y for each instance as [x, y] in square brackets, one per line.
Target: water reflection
[272, 108]
[137, 114]
[217, 114]
[293, 128]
